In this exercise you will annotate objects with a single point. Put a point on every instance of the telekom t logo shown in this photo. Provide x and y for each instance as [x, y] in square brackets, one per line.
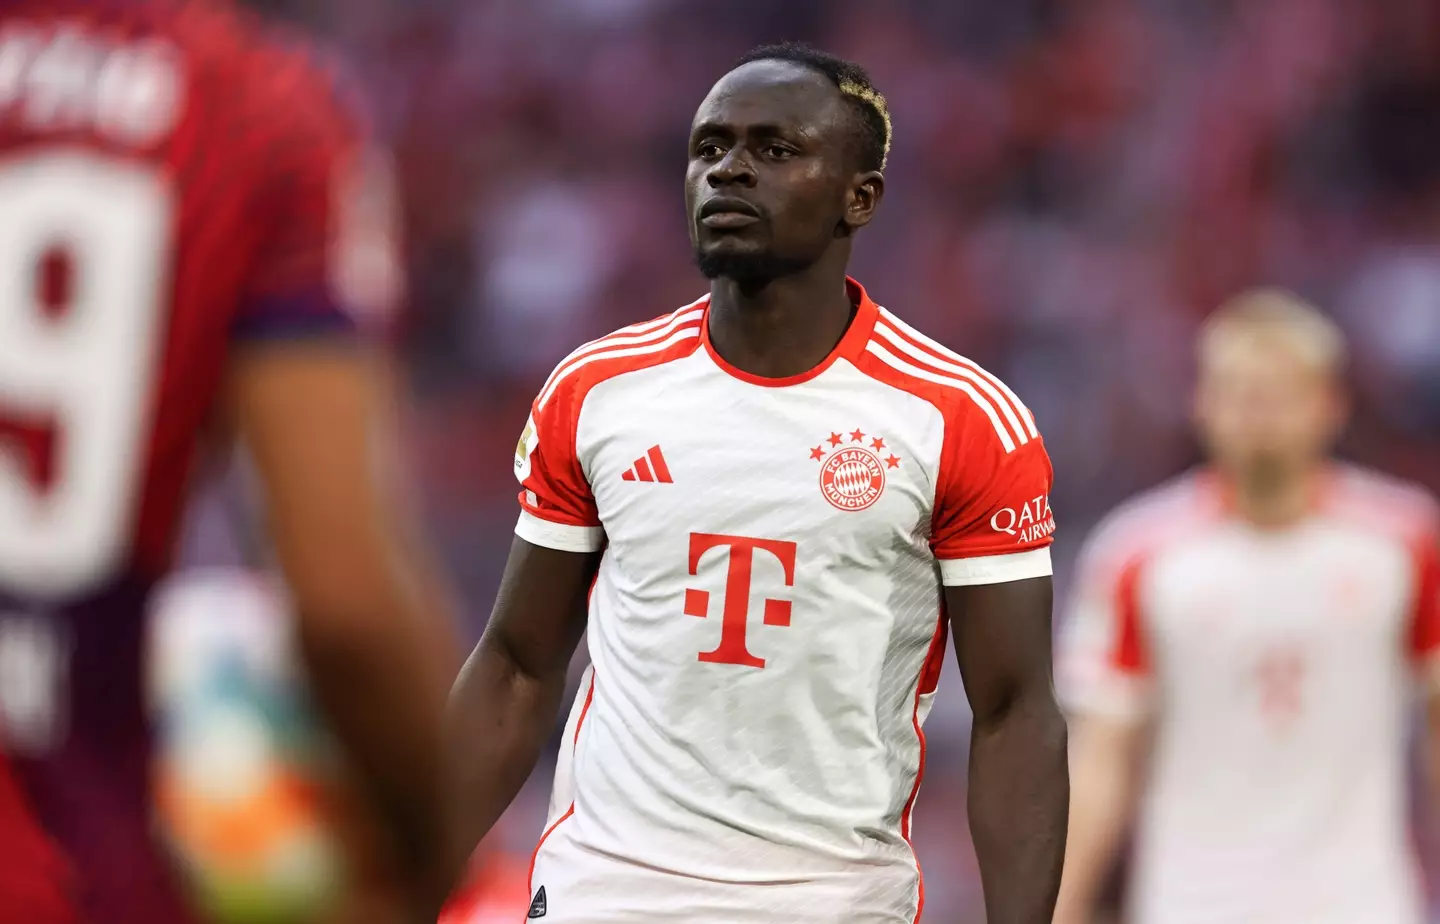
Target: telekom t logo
[736, 608]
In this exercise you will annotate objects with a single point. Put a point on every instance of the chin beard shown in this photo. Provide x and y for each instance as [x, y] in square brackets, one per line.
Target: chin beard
[747, 268]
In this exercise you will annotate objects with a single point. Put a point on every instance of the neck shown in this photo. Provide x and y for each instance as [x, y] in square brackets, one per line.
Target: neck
[783, 327]
[1276, 500]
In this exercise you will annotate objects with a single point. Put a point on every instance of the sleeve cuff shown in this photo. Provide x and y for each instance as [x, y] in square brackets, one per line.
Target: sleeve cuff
[300, 317]
[995, 569]
[563, 537]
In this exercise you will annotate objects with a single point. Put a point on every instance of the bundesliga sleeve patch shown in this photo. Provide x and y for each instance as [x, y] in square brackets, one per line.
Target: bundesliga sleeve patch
[525, 449]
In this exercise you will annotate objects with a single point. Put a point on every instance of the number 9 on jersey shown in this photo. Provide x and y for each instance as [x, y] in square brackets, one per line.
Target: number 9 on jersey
[76, 360]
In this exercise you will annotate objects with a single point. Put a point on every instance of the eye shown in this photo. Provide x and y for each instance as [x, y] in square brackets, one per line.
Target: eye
[777, 152]
[708, 150]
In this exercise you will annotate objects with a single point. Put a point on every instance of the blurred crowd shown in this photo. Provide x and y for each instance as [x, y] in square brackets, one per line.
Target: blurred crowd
[1074, 184]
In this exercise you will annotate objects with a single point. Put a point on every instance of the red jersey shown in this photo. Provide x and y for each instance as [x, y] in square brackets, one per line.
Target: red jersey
[173, 179]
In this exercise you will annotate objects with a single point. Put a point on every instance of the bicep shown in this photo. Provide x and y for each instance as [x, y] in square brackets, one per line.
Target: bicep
[1002, 641]
[541, 608]
[316, 420]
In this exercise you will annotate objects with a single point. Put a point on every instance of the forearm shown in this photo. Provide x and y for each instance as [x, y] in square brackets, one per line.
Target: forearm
[1097, 818]
[499, 719]
[1019, 803]
[382, 683]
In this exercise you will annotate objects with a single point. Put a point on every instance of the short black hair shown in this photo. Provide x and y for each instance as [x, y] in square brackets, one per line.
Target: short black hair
[874, 129]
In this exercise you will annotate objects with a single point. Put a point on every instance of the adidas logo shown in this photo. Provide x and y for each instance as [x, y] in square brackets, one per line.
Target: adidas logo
[537, 905]
[650, 467]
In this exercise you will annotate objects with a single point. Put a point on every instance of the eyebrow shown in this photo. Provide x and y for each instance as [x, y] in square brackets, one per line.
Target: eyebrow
[710, 128]
[764, 130]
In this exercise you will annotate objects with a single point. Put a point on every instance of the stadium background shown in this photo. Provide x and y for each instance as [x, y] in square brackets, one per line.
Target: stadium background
[1073, 185]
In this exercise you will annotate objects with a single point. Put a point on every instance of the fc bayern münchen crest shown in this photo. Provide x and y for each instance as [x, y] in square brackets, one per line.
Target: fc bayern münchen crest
[852, 472]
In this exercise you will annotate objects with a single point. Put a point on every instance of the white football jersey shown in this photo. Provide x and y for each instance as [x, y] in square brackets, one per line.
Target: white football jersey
[767, 628]
[1278, 668]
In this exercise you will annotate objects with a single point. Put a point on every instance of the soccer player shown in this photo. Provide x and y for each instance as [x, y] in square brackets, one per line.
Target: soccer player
[193, 230]
[1239, 662]
[777, 501]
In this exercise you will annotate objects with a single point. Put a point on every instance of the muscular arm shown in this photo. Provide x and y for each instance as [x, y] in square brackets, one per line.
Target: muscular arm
[1019, 783]
[372, 625]
[506, 701]
[1105, 761]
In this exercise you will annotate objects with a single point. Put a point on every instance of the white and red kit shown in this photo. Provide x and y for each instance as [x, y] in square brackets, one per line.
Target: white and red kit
[767, 627]
[1278, 667]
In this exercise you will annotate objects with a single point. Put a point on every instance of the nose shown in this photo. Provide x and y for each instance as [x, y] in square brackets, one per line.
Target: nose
[734, 168]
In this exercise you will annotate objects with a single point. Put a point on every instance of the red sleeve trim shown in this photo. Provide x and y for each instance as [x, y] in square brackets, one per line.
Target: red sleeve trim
[1130, 653]
[1425, 614]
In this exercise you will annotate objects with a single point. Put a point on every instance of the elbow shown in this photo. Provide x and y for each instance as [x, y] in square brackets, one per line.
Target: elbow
[507, 660]
[499, 666]
[1029, 707]
[359, 622]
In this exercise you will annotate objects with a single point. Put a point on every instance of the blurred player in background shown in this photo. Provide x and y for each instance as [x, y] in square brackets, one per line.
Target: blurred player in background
[1242, 655]
[193, 231]
[777, 500]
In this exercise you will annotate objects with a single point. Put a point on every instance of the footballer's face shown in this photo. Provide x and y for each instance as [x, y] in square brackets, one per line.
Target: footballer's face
[772, 182]
[1264, 408]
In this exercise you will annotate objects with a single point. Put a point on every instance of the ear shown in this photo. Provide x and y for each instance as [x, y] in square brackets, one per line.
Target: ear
[866, 191]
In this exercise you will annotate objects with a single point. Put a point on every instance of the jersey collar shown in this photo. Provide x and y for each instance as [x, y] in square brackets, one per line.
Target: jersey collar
[857, 335]
[1220, 492]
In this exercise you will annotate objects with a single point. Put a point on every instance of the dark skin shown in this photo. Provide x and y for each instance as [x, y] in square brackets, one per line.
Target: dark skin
[1019, 772]
[773, 143]
[779, 139]
[508, 696]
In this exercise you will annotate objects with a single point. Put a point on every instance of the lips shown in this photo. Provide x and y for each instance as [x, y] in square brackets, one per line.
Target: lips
[724, 212]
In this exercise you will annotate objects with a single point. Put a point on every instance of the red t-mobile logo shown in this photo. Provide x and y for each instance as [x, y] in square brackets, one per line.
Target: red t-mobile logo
[735, 611]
